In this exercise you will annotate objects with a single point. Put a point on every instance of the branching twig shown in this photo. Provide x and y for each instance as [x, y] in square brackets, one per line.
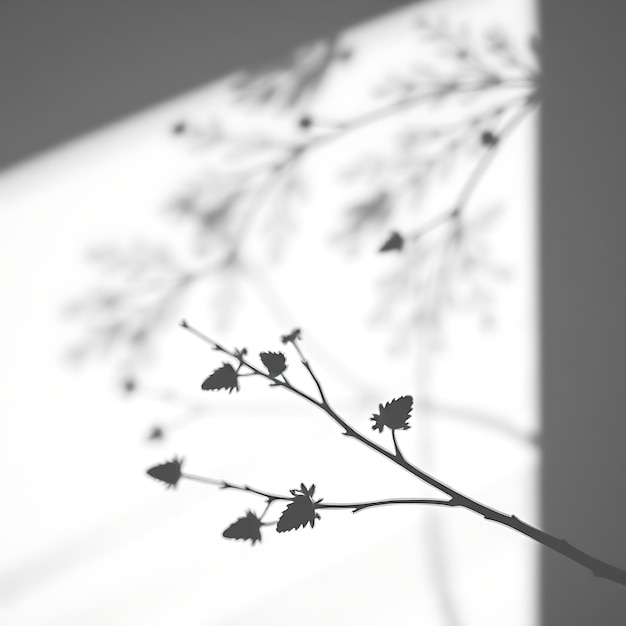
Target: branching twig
[355, 506]
[275, 171]
[307, 365]
[476, 174]
[598, 567]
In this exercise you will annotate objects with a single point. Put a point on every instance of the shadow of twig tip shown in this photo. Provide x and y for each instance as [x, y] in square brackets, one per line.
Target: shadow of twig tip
[129, 385]
[394, 242]
[156, 434]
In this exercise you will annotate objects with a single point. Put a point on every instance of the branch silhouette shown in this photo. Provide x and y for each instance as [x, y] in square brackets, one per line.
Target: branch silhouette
[393, 415]
[276, 170]
[491, 141]
[267, 164]
[453, 251]
[354, 506]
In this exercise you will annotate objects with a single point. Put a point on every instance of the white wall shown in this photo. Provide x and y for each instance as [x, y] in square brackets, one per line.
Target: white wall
[89, 539]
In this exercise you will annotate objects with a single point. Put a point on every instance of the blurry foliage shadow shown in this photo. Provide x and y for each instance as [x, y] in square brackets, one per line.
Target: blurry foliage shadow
[141, 290]
[219, 213]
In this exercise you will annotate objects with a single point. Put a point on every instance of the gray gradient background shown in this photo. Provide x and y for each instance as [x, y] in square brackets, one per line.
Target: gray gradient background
[71, 65]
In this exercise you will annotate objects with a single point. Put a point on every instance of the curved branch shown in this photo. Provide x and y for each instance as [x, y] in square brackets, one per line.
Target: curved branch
[491, 149]
[598, 567]
[360, 506]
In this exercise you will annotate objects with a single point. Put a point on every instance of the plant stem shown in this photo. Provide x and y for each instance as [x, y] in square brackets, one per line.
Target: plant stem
[354, 506]
[259, 199]
[308, 367]
[491, 150]
[395, 443]
[434, 223]
[598, 567]
[223, 484]
[476, 174]
[408, 102]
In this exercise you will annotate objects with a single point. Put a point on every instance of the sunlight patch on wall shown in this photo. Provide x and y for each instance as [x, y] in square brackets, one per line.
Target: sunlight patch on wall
[377, 191]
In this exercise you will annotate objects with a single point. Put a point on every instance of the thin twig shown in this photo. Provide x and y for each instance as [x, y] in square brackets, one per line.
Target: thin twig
[476, 174]
[491, 150]
[389, 110]
[274, 178]
[283, 313]
[223, 484]
[309, 369]
[433, 224]
[354, 506]
[338, 130]
[395, 444]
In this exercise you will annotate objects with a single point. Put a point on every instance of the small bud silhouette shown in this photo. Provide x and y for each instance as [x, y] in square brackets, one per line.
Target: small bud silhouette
[169, 473]
[305, 122]
[274, 362]
[224, 377]
[129, 385]
[296, 333]
[300, 512]
[179, 128]
[394, 414]
[394, 242]
[246, 528]
[488, 139]
[156, 434]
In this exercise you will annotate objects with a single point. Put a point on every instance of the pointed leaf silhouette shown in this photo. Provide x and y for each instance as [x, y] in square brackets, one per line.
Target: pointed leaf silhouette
[224, 377]
[394, 242]
[169, 473]
[394, 414]
[246, 528]
[300, 512]
[274, 362]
